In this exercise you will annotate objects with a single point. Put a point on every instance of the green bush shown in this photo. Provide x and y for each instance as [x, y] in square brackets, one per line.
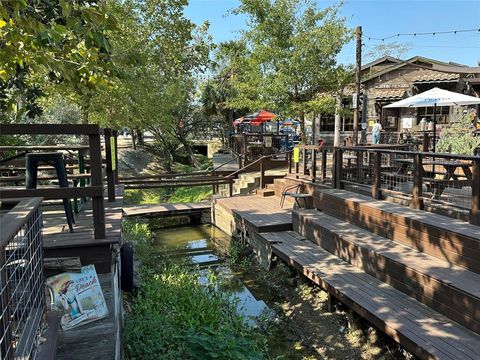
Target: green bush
[176, 317]
[458, 138]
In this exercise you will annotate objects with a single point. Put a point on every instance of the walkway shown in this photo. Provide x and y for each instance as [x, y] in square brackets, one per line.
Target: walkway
[167, 209]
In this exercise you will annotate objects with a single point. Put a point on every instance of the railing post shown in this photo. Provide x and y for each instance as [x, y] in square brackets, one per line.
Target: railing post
[230, 187]
[313, 172]
[98, 208]
[115, 136]
[262, 173]
[377, 175]
[338, 168]
[475, 208]
[304, 160]
[324, 164]
[289, 159]
[417, 201]
[111, 163]
[245, 149]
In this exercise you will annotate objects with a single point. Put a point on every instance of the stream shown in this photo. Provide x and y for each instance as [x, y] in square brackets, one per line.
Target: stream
[202, 246]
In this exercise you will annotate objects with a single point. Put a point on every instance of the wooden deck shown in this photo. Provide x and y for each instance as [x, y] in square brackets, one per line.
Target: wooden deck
[416, 326]
[260, 214]
[167, 209]
[58, 241]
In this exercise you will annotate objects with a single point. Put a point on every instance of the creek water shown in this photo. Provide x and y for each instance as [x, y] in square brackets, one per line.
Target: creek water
[203, 246]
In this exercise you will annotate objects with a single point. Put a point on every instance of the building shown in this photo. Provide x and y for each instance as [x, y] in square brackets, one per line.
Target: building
[389, 79]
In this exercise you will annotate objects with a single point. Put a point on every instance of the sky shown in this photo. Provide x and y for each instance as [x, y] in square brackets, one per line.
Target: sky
[378, 18]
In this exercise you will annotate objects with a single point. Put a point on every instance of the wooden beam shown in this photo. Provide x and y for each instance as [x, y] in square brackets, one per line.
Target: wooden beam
[50, 129]
[475, 207]
[53, 193]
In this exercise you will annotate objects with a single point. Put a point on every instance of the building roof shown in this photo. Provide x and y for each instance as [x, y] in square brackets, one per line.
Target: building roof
[424, 75]
[381, 60]
[386, 94]
[440, 66]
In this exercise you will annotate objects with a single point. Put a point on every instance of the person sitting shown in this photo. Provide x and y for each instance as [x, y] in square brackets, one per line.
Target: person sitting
[377, 128]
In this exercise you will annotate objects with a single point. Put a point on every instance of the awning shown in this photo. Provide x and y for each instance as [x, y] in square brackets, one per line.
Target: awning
[261, 117]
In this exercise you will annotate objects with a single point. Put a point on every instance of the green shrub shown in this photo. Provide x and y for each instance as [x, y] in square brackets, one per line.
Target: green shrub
[176, 317]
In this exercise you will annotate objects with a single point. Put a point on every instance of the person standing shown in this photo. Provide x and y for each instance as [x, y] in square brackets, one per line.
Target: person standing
[377, 128]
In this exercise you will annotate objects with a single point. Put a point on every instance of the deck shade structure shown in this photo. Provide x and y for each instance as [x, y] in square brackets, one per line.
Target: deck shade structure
[435, 97]
[261, 117]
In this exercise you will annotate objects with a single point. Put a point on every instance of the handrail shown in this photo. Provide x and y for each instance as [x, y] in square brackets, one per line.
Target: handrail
[403, 152]
[255, 162]
[14, 219]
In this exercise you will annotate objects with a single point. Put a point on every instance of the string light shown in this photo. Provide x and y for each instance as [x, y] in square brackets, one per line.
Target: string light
[420, 34]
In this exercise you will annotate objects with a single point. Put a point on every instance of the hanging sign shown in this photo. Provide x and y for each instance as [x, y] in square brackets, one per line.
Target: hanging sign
[112, 151]
[267, 141]
[296, 154]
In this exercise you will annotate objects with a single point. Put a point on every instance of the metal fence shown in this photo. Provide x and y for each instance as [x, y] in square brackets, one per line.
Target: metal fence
[22, 298]
[445, 182]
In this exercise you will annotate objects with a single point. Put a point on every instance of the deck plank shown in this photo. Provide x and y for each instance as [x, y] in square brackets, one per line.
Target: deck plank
[166, 209]
[408, 321]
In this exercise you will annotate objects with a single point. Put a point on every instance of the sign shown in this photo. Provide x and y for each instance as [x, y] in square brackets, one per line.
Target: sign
[112, 151]
[296, 154]
[391, 86]
[267, 141]
[364, 126]
[407, 123]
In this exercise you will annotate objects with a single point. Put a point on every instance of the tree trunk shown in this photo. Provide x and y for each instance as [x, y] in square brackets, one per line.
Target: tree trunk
[188, 148]
[302, 128]
[134, 140]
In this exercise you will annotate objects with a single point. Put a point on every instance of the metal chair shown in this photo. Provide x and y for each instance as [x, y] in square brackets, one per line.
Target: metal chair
[295, 194]
[54, 159]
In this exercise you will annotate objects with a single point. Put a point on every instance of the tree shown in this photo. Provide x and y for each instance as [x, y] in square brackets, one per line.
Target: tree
[159, 54]
[291, 56]
[51, 42]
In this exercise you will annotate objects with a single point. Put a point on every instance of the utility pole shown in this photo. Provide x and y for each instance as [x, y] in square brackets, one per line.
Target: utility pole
[358, 67]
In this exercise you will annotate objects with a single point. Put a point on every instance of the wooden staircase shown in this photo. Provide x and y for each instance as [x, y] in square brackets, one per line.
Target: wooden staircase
[413, 274]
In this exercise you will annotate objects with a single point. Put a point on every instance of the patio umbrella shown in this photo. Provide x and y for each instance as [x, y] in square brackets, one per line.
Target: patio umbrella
[435, 97]
[261, 117]
[290, 122]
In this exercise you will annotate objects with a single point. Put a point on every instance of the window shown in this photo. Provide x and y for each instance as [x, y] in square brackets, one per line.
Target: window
[327, 123]
[442, 112]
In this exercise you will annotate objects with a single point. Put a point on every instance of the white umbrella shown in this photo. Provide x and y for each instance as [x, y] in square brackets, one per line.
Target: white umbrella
[435, 97]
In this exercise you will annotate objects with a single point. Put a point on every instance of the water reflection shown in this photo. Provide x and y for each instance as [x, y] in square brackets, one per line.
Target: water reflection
[201, 245]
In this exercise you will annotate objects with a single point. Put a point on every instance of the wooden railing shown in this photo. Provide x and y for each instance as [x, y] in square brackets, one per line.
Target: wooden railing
[252, 146]
[95, 188]
[22, 299]
[444, 181]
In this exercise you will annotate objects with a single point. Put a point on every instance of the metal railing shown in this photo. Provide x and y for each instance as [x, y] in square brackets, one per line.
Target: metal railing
[314, 163]
[22, 298]
[253, 146]
[445, 182]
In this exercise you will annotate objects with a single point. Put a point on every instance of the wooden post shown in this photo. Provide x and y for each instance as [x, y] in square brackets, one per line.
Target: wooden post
[331, 303]
[115, 136]
[98, 208]
[475, 208]
[304, 160]
[338, 168]
[289, 159]
[297, 169]
[425, 142]
[313, 172]
[324, 164]
[230, 187]
[377, 175]
[109, 157]
[417, 201]
[245, 149]
[262, 173]
[358, 67]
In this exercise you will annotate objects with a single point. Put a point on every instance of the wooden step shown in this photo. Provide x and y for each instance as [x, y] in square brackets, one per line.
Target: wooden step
[420, 329]
[449, 289]
[265, 192]
[449, 239]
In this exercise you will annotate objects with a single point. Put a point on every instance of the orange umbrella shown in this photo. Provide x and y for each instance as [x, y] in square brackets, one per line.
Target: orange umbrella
[261, 117]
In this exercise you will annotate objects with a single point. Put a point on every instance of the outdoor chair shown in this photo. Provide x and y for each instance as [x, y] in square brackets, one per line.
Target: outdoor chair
[294, 192]
[54, 159]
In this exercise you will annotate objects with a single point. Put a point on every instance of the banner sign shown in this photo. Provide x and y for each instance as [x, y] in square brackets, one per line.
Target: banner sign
[296, 154]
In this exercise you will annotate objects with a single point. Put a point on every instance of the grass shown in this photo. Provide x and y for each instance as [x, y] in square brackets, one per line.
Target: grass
[174, 317]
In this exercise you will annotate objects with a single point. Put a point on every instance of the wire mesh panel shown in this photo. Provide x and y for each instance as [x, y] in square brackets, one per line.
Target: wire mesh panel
[22, 297]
